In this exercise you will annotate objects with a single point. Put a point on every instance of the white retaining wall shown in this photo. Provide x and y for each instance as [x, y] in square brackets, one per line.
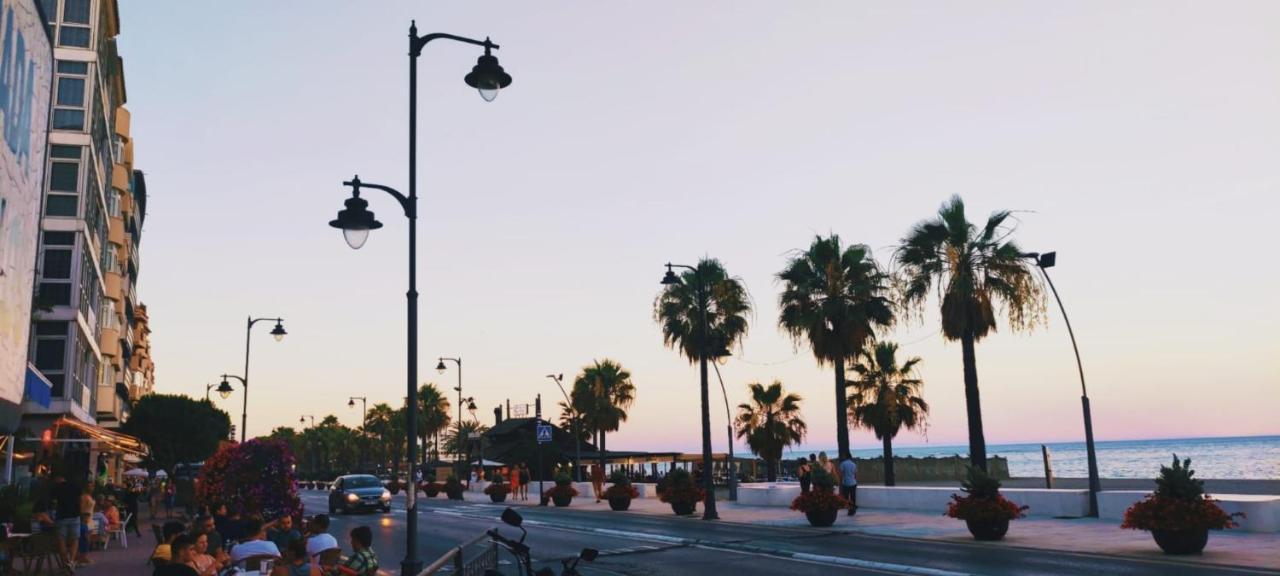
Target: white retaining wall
[1262, 512]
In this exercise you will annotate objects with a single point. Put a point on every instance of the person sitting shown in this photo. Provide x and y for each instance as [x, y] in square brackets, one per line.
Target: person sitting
[181, 548]
[234, 528]
[204, 525]
[204, 564]
[255, 544]
[282, 532]
[112, 513]
[163, 553]
[362, 562]
[296, 562]
[318, 537]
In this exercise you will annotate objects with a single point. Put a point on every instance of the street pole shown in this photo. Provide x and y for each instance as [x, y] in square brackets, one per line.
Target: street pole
[733, 476]
[537, 421]
[364, 419]
[577, 426]
[709, 504]
[279, 333]
[457, 447]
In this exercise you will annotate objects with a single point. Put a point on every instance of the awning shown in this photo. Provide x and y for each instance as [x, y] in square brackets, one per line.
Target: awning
[37, 389]
[103, 439]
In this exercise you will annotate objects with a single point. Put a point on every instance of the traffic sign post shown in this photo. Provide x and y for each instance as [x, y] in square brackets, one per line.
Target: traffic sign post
[542, 496]
[544, 433]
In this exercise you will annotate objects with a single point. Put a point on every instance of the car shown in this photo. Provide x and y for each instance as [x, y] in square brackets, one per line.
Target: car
[355, 492]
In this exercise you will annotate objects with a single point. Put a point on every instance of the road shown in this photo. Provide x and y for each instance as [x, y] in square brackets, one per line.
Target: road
[634, 544]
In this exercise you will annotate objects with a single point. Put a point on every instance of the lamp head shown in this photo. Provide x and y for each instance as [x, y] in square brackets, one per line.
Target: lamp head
[351, 403]
[487, 76]
[224, 390]
[356, 220]
[278, 332]
[440, 366]
[670, 278]
[1047, 260]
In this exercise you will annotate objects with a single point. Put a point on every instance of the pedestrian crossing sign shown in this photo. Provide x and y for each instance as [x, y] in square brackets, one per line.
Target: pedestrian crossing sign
[544, 433]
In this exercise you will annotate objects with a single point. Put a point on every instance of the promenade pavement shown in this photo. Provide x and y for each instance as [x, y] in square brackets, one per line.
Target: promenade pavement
[1076, 535]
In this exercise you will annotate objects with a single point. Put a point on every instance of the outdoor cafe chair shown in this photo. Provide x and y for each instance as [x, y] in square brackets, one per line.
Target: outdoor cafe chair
[118, 533]
[259, 562]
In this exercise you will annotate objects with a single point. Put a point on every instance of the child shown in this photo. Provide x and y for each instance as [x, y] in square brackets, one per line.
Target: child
[363, 562]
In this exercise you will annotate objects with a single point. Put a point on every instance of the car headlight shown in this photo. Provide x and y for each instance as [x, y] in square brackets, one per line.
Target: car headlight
[386, 495]
[352, 498]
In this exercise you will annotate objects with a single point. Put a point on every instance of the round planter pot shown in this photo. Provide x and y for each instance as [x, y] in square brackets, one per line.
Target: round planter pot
[821, 518]
[394, 489]
[1181, 542]
[454, 495]
[502, 497]
[431, 492]
[561, 501]
[988, 530]
[684, 508]
[620, 503]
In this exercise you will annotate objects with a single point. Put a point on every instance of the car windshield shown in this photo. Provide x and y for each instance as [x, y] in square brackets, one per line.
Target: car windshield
[361, 482]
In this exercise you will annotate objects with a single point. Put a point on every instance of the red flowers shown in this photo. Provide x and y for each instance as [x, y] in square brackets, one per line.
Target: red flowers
[256, 476]
[562, 491]
[1165, 513]
[497, 489]
[819, 500]
[621, 491]
[983, 509]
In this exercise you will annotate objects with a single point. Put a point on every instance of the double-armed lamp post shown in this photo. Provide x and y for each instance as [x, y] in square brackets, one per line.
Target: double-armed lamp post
[1044, 262]
[356, 221]
[224, 390]
[440, 369]
[277, 332]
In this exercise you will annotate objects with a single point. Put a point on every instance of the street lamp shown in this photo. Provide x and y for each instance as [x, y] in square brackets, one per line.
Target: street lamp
[670, 279]
[356, 221]
[364, 419]
[224, 390]
[277, 332]
[1044, 262]
[577, 426]
[440, 369]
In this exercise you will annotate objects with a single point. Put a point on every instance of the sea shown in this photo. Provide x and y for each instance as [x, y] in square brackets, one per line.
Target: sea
[1245, 457]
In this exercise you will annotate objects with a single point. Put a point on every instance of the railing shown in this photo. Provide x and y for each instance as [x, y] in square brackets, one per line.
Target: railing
[486, 559]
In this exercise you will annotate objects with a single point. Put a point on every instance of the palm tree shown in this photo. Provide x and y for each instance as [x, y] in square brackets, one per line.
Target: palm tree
[974, 269]
[886, 398]
[379, 425]
[566, 422]
[458, 439]
[433, 416]
[770, 423]
[705, 294]
[603, 393]
[834, 298]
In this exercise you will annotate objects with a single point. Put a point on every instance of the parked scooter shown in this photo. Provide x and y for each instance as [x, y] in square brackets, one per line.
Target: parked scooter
[520, 550]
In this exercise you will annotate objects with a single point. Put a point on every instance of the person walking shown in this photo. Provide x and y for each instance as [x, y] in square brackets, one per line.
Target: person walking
[805, 474]
[597, 480]
[525, 477]
[849, 481]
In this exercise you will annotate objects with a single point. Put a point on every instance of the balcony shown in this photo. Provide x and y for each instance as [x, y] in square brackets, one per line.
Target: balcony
[112, 284]
[120, 177]
[110, 342]
[123, 117]
[115, 230]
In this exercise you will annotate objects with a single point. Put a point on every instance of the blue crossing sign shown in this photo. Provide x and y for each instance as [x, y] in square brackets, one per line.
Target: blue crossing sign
[544, 433]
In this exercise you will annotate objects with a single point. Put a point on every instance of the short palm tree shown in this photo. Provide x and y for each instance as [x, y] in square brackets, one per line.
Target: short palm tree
[834, 298]
[378, 424]
[705, 293]
[433, 416]
[887, 397]
[770, 423]
[603, 393]
[973, 269]
[458, 440]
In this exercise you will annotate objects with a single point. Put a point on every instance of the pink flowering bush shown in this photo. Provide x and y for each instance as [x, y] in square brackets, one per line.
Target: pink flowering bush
[256, 476]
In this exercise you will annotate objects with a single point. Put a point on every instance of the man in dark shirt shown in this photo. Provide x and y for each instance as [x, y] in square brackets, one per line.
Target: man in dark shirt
[182, 549]
[66, 497]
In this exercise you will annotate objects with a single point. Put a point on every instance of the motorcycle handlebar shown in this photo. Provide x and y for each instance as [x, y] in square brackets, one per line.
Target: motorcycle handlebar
[517, 547]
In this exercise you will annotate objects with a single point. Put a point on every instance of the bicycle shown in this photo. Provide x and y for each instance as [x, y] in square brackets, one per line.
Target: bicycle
[520, 550]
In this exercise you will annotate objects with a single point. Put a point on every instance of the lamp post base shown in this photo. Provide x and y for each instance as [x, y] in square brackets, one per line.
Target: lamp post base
[408, 566]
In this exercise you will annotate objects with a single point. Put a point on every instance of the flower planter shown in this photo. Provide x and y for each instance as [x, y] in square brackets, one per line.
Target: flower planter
[431, 491]
[989, 530]
[1181, 542]
[684, 508]
[822, 518]
[498, 497]
[561, 501]
[620, 503]
[455, 495]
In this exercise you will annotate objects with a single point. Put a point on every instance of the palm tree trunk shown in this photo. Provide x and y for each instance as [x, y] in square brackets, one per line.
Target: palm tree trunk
[888, 461]
[771, 470]
[842, 410]
[602, 450]
[977, 442]
[709, 506]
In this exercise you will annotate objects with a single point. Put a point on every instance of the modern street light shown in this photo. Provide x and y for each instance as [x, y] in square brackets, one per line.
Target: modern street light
[577, 426]
[709, 506]
[440, 369]
[224, 390]
[1044, 262]
[356, 221]
[277, 332]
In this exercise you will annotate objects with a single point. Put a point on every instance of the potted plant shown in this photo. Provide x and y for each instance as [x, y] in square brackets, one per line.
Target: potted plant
[563, 492]
[497, 489]
[984, 510]
[820, 504]
[394, 486]
[453, 488]
[1178, 514]
[678, 490]
[621, 492]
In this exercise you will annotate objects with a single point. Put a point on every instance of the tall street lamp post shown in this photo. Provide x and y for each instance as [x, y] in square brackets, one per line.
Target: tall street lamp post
[733, 473]
[577, 426]
[224, 389]
[364, 418]
[440, 369]
[303, 421]
[1044, 262]
[708, 481]
[278, 332]
[356, 221]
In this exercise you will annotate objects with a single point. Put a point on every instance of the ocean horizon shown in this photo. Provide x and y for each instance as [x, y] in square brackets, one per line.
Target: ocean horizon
[1220, 458]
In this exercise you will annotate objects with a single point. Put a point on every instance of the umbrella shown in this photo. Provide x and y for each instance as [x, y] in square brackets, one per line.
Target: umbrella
[488, 463]
[136, 472]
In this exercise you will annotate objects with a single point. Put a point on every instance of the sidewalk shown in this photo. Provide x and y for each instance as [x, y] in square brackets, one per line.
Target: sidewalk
[116, 560]
[1079, 535]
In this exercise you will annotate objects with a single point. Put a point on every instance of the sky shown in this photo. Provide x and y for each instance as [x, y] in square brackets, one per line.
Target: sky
[1138, 140]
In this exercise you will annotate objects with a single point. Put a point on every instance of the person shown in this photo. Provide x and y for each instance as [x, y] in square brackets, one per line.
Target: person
[597, 480]
[804, 474]
[131, 509]
[66, 497]
[255, 544]
[87, 504]
[170, 498]
[362, 562]
[524, 481]
[296, 562]
[204, 564]
[153, 499]
[163, 552]
[233, 528]
[182, 548]
[849, 481]
[318, 537]
[99, 525]
[204, 525]
[282, 532]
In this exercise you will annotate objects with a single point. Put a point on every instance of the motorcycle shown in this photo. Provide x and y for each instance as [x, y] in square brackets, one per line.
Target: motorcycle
[520, 550]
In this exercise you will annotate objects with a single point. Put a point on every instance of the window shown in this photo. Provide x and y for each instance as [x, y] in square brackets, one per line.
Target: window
[75, 11]
[86, 374]
[51, 353]
[73, 67]
[55, 270]
[50, 9]
[73, 36]
[57, 264]
[64, 186]
[69, 105]
[90, 291]
[64, 151]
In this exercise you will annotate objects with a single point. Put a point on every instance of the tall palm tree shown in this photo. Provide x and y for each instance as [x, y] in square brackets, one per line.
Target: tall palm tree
[973, 269]
[770, 423]
[603, 393]
[705, 294]
[378, 424]
[433, 416]
[834, 298]
[886, 397]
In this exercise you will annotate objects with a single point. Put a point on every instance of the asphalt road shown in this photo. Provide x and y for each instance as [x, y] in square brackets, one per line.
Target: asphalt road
[634, 544]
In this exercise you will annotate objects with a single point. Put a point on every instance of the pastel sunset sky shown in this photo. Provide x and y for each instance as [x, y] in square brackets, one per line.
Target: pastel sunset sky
[1139, 140]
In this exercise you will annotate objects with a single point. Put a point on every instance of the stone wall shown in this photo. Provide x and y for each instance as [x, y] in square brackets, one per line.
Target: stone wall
[910, 469]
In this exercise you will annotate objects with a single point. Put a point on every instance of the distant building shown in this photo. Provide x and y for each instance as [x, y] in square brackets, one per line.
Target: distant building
[26, 71]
